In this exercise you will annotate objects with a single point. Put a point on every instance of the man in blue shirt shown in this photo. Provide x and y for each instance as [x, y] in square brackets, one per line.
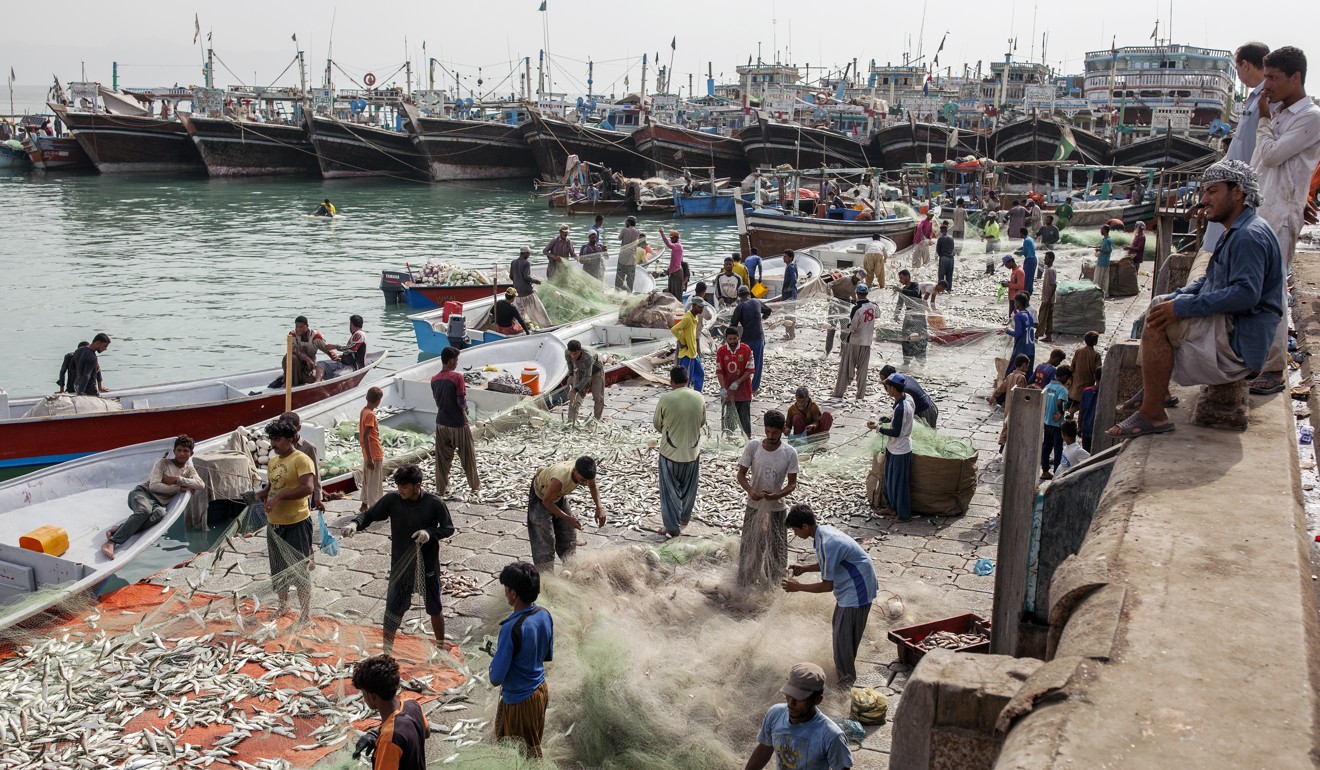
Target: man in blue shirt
[788, 293]
[1056, 401]
[526, 642]
[796, 732]
[1028, 252]
[747, 316]
[753, 264]
[1218, 328]
[845, 568]
[1102, 255]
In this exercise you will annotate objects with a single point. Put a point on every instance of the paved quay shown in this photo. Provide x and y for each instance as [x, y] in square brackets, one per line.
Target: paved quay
[927, 562]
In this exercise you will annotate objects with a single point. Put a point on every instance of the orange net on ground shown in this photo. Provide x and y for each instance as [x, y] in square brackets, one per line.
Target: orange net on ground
[155, 677]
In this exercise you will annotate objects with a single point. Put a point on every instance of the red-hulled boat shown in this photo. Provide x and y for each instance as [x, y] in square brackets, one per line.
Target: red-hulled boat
[673, 148]
[51, 153]
[199, 408]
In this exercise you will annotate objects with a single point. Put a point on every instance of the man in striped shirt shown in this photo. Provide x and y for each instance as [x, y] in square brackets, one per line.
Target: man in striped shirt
[400, 741]
[845, 568]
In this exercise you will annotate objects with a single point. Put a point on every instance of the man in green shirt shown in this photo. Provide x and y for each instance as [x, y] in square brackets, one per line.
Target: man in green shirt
[680, 417]
[551, 526]
[1063, 214]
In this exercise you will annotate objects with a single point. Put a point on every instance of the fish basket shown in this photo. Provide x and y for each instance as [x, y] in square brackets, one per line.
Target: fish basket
[908, 639]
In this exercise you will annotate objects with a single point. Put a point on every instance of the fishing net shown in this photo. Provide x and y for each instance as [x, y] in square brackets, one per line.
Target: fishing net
[573, 295]
[929, 442]
[1091, 238]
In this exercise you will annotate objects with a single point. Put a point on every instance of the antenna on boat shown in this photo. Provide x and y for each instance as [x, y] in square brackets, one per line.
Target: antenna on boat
[330, 47]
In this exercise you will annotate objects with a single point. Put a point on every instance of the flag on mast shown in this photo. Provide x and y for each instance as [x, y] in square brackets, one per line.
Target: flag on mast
[197, 28]
[12, 76]
[543, 2]
[673, 44]
[1067, 143]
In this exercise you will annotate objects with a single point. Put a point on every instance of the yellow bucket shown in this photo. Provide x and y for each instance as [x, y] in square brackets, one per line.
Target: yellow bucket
[759, 290]
[46, 539]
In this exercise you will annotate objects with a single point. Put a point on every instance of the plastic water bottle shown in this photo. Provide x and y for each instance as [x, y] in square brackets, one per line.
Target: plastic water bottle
[983, 567]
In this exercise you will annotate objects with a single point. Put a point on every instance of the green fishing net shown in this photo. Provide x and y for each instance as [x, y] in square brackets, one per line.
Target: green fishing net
[929, 442]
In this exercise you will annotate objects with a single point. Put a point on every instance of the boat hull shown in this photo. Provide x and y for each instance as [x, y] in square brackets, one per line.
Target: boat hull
[233, 148]
[46, 440]
[345, 150]
[53, 153]
[908, 143]
[1037, 139]
[769, 144]
[672, 148]
[471, 149]
[429, 296]
[704, 206]
[1161, 152]
[774, 234]
[552, 141]
[120, 144]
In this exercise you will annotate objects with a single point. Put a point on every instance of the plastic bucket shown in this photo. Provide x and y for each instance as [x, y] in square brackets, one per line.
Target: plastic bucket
[452, 308]
[759, 290]
[531, 377]
[46, 539]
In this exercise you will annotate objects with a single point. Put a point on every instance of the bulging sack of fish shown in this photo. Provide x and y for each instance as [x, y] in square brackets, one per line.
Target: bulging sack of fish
[869, 706]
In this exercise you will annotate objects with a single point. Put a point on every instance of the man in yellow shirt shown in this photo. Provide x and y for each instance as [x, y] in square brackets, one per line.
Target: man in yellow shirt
[740, 270]
[689, 354]
[290, 475]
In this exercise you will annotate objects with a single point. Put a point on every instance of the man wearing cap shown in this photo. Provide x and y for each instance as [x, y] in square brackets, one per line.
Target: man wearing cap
[747, 316]
[1218, 328]
[797, 733]
[627, 269]
[845, 568]
[857, 339]
[926, 411]
[524, 297]
[874, 261]
[687, 331]
[557, 250]
[508, 320]
[844, 290]
[592, 256]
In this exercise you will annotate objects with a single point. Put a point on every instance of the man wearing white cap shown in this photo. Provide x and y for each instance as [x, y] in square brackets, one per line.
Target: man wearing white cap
[796, 733]
[857, 339]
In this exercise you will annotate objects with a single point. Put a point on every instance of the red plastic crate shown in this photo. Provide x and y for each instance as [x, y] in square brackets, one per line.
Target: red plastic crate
[908, 638]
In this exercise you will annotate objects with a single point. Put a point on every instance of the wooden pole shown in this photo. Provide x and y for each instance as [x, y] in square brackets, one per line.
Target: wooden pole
[1021, 468]
[288, 373]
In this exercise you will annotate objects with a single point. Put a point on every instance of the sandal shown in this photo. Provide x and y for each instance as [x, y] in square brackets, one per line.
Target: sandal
[1134, 403]
[1266, 386]
[1138, 425]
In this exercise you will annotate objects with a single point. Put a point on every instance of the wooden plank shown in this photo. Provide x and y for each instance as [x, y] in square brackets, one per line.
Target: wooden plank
[1120, 358]
[1021, 468]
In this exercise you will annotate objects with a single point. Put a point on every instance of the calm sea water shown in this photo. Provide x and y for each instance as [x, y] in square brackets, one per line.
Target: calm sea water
[194, 277]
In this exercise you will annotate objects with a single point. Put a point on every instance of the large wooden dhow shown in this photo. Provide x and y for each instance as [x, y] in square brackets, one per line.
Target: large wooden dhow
[131, 143]
[552, 141]
[232, 147]
[771, 231]
[1038, 139]
[469, 149]
[901, 143]
[347, 150]
[770, 144]
[672, 148]
[1162, 152]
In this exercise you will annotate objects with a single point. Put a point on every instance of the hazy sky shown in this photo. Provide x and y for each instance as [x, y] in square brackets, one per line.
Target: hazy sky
[152, 39]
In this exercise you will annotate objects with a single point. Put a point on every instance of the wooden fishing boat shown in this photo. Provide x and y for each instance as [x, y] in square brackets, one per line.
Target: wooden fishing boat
[84, 497]
[1096, 213]
[430, 328]
[469, 149]
[552, 141]
[347, 150]
[771, 232]
[132, 143]
[612, 206]
[772, 274]
[901, 143]
[1037, 139]
[673, 148]
[199, 408]
[13, 156]
[55, 153]
[703, 205]
[1162, 151]
[770, 144]
[231, 147]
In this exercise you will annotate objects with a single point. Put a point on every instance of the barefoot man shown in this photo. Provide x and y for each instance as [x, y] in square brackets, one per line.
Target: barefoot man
[169, 476]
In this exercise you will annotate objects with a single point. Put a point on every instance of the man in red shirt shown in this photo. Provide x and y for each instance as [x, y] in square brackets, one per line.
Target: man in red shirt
[373, 454]
[736, 365]
[452, 432]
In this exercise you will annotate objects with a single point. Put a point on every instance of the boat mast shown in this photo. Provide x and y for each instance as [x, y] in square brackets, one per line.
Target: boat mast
[643, 94]
[527, 78]
[210, 67]
[407, 77]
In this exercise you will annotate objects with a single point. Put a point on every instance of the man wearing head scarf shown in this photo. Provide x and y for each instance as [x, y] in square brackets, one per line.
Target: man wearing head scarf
[524, 297]
[1287, 150]
[1217, 329]
[557, 250]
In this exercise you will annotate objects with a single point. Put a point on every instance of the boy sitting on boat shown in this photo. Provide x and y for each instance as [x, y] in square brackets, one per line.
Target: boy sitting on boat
[169, 476]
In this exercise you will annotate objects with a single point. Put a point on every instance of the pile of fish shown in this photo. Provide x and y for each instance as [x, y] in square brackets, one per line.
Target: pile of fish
[459, 586]
[446, 274]
[508, 383]
[950, 641]
[69, 702]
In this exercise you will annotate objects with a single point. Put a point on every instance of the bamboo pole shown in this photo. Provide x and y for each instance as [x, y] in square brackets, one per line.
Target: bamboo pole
[1021, 461]
[288, 373]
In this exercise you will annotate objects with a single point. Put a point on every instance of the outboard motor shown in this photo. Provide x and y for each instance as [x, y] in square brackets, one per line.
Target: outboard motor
[391, 284]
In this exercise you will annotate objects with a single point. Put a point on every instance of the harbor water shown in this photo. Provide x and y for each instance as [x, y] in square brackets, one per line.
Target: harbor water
[194, 277]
